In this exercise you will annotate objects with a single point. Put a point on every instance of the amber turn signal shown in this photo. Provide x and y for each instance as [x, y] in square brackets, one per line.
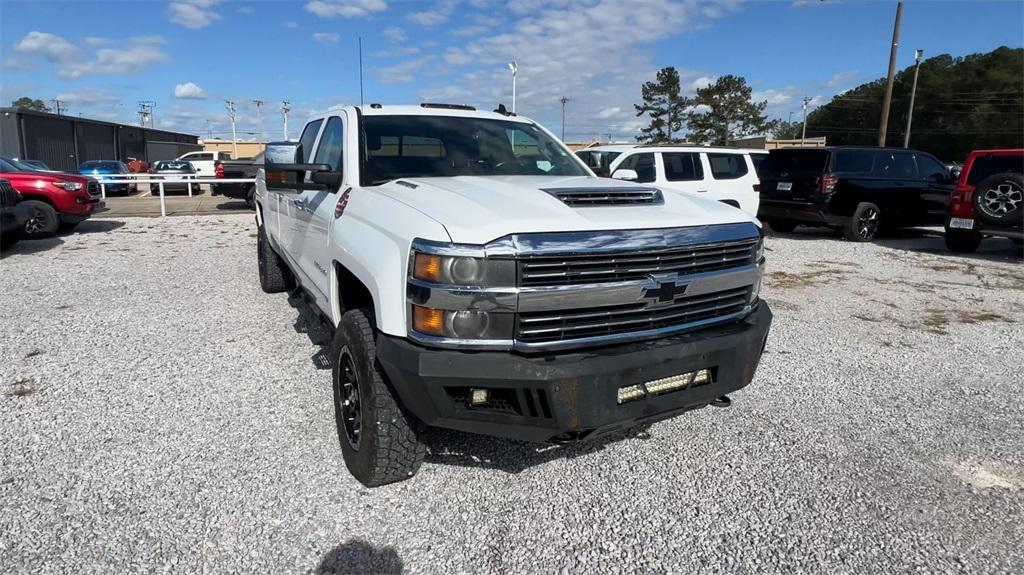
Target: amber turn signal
[427, 267]
[427, 320]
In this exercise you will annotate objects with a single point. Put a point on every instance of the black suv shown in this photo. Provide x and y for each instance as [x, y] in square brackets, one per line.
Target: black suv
[857, 189]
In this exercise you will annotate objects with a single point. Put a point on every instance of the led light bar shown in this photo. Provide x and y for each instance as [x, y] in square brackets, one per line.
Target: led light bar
[664, 385]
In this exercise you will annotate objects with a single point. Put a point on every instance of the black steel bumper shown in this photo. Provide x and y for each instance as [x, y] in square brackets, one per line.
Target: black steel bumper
[804, 212]
[570, 395]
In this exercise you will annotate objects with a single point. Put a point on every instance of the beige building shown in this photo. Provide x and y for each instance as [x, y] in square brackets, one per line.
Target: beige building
[765, 143]
[245, 149]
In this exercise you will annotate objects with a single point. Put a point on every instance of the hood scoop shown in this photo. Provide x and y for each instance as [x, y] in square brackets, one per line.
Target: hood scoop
[594, 197]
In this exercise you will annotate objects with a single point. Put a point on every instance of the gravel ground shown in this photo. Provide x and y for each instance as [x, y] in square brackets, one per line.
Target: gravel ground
[159, 412]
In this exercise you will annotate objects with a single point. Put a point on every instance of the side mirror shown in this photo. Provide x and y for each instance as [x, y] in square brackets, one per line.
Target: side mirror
[284, 169]
[627, 175]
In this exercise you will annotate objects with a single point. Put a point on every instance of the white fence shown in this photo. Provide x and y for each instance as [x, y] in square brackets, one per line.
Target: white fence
[161, 179]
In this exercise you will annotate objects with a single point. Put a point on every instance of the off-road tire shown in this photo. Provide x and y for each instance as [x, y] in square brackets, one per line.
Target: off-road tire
[7, 240]
[962, 241]
[250, 197]
[998, 200]
[782, 226]
[44, 221]
[275, 277]
[388, 448]
[863, 224]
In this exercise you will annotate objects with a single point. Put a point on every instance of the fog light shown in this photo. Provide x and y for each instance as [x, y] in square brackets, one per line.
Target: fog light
[669, 383]
[630, 393]
[479, 396]
[467, 324]
[703, 376]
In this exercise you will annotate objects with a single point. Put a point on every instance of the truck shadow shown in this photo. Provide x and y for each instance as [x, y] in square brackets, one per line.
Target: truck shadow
[309, 322]
[358, 556]
[447, 447]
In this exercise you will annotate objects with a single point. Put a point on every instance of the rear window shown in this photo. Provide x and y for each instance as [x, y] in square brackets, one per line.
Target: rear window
[727, 166]
[985, 166]
[758, 159]
[794, 163]
[854, 161]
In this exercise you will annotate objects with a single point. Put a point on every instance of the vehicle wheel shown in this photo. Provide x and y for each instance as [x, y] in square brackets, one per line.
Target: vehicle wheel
[783, 226]
[275, 277]
[379, 441]
[962, 241]
[10, 238]
[68, 226]
[999, 199]
[863, 224]
[250, 197]
[44, 221]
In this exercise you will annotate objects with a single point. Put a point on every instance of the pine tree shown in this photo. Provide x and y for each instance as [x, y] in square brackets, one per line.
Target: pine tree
[723, 112]
[664, 105]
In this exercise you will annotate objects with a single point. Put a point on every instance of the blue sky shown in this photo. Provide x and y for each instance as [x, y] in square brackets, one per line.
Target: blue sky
[188, 56]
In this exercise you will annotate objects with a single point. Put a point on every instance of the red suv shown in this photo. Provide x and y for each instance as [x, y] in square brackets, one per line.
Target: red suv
[58, 201]
[988, 200]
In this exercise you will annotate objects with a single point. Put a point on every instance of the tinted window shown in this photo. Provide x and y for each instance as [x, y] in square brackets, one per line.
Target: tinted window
[7, 166]
[985, 166]
[198, 157]
[329, 150]
[727, 166]
[642, 164]
[854, 161]
[931, 169]
[108, 166]
[308, 137]
[904, 166]
[682, 166]
[794, 162]
[758, 159]
[600, 161]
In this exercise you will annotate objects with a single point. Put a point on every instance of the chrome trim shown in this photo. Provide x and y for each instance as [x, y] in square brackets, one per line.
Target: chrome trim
[467, 344]
[599, 197]
[501, 299]
[597, 242]
[500, 248]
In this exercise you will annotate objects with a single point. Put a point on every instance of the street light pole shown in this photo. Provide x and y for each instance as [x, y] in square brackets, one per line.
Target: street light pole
[285, 108]
[234, 136]
[803, 134]
[563, 100]
[515, 68]
[913, 92]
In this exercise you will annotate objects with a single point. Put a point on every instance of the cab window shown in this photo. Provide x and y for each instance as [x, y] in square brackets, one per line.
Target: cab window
[308, 137]
[329, 151]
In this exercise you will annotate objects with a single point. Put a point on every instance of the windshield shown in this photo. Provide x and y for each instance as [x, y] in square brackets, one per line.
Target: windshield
[173, 165]
[435, 146]
[793, 163]
[108, 166]
[8, 165]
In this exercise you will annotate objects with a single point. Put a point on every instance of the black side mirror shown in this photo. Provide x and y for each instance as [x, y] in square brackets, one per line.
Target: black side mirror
[284, 169]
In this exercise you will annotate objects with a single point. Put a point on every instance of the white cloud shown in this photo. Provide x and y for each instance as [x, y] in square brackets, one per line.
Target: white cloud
[775, 97]
[457, 57]
[609, 113]
[403, 72]
[437, 14]
[702, 82]
[189, 91]
[129, 60]
[55, 49]
[73, 62]
[699, 109]
[193, 14]
[345, 8]
[326, 38]
[395, 34]
[88, 96]
[840, 78]
[96, 40]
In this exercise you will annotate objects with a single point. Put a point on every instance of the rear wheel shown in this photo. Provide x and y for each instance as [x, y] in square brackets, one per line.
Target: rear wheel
[863, 224]
[999, 199]
[782, 226]
[275, 277]
[250, 197]
[962, 241]
[44, 220]
[379, 441]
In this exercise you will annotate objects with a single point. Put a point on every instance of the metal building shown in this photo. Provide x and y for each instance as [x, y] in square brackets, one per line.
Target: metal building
[64, 142]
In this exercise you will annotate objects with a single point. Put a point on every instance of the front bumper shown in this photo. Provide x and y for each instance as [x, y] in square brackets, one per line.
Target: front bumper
[570, 395]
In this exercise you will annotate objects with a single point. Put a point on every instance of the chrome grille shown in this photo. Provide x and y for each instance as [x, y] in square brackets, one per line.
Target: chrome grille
[538, 327]
[582, 198]
[598, 268]
[8, 195]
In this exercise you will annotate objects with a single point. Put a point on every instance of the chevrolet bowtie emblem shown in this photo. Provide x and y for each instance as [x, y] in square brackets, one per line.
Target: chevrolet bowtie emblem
[663, 290]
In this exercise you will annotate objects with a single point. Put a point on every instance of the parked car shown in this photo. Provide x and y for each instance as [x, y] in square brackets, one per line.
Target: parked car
[205, 163]
[57, 200]
[758, 157]
[137, 166]
[480, 278]
[988, 201]
[857, 189]
[13, 214]
[37, 164]
[182, 170]
[243, 168]
[723, 174]
[102, 170]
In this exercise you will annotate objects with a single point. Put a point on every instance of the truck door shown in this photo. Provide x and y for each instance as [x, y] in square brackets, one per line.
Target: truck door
[286, 228]
[683, 171]
[939, 184]
[317, 213]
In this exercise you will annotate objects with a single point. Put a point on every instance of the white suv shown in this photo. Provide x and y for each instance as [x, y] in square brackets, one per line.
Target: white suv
[724, 174]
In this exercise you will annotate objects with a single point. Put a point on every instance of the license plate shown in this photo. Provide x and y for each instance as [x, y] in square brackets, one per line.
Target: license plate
[784, 186]
[961, 223]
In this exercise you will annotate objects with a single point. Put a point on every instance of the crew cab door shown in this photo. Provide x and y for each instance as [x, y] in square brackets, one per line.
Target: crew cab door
[284, 224]
[938, 186]
[682, 171]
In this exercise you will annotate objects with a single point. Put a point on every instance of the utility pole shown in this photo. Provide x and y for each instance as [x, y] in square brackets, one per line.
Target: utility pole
[259, 121]
[913, 92]
[790, 117]
[230, 104]
[803, 134]
[146, 113]
[209, 129]
[563, 100]
[360, 70]
[887, 100]
[285, 108]
[515, 68]
[57, 105]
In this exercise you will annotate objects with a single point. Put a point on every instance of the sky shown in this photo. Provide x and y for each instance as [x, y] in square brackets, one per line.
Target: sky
[189, 56]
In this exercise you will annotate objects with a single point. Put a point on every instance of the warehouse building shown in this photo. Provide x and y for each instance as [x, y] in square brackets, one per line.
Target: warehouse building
[64, 142]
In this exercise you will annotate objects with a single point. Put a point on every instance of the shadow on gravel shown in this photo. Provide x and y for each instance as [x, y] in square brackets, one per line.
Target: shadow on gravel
[309, 322]
[26, 247]
[234, 206]
[447, 447]
[357, 557]
[991, 249]
[95, 227]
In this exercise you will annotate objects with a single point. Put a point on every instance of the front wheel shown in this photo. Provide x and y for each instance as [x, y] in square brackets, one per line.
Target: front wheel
[379, 440]
[783, 226]
[962, 241]
[44, 220]
[863, 224]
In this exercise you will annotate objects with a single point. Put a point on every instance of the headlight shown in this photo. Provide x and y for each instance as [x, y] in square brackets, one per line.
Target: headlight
[69, 186]
[458, 270]
[462, 324]
[755, 291]
[759, 250]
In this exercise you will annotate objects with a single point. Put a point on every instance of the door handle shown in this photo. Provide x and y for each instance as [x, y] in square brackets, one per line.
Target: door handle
[299, 204]
[702, 191]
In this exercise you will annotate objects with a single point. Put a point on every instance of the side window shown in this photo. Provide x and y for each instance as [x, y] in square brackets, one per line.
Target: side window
[727, 166]
[682, 166]
[854, 161]
[930, 169]
[904, 166]
[308, 137]
[330, 148]
[643, 165]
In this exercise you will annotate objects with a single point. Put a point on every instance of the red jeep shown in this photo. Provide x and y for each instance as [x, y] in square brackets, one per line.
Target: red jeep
[57, 201]
[988, 200]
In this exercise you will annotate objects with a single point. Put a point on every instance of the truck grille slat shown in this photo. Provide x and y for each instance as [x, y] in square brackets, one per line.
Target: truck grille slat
[585, 198]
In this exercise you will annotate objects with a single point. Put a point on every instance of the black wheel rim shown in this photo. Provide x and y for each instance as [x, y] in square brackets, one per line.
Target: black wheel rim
[350, 404]
[37, 223]
[867, 223]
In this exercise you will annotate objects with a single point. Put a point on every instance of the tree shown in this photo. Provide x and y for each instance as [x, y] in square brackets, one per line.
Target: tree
[664, 105]
[30, 104]
[783, 130]
[723, 112]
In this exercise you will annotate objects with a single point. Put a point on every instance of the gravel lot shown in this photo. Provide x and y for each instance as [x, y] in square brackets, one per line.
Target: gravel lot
[159, 412]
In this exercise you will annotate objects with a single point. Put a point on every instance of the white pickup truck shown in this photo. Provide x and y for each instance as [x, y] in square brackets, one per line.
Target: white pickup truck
[481, 278]
[205, 163]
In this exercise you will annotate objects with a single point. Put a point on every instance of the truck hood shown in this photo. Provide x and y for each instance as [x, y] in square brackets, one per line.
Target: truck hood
[476, 210]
